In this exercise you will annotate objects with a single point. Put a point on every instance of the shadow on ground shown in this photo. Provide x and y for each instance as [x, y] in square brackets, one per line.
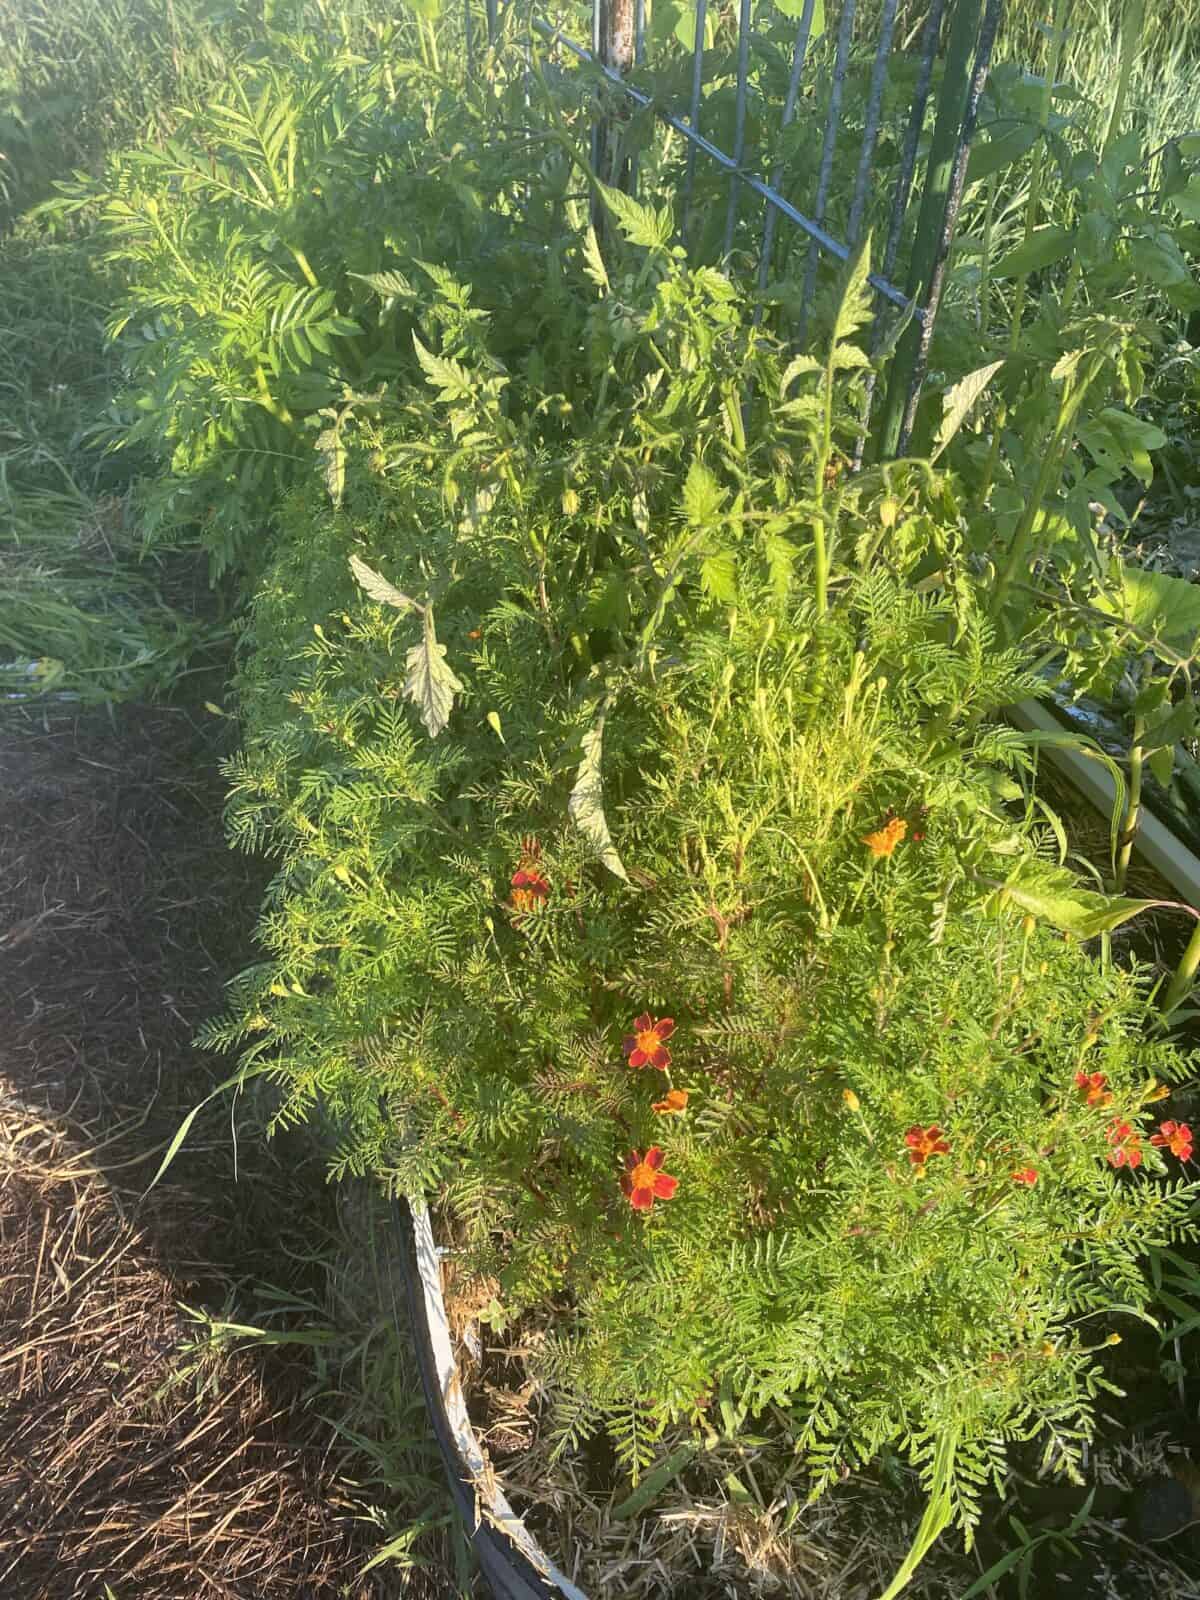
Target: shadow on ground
[128, 1469]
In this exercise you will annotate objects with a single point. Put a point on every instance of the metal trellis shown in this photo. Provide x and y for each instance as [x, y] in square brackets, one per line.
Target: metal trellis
[954, 43]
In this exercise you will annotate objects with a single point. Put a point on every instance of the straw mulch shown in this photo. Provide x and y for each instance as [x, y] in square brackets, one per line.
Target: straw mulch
[130, 1468]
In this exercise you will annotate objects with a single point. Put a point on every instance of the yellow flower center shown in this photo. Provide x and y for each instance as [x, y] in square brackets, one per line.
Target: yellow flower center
[642, 1176]
[647, 1041]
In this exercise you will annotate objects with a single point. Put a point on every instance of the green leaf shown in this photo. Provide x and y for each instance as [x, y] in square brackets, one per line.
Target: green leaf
[379, 588]
[849, 358]
[654, 1483]
[1122, 442]
[593, 261]
[795, 9]
[795, 368]
[958, 402]
[430, 684]
[1187, 200]
[392, 285]
[1164, 607]
[1054, 897]
[718, 577]
[586, 805]
[1043, 248]
[640, 224]
[685, 28]
[702, 496]
[782, 556]
[453, 380]
[854, 308]
[992, 155]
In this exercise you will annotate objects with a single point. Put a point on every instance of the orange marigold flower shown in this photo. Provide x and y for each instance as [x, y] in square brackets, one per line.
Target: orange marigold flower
[884, 840]
[674, 1100]
[1026, 1176]
[1093, 1088]
[925, 1142]
[1175, 1137]
[645, 1046]
[1126, 1145]
[644, 1181]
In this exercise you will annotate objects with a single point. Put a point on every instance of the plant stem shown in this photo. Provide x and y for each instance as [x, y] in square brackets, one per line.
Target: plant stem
[1132, 21]
[302, 262]
[1185, 972]
[1051, 468]
[1137, 756]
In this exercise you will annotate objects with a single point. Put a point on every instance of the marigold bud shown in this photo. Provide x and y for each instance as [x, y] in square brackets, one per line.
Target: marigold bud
[851, 1099]
[570, 502]
[889, 511]
[1113, 1338]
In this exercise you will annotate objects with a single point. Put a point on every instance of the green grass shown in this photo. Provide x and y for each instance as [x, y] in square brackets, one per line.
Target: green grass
[84, 612]
[1164, 96]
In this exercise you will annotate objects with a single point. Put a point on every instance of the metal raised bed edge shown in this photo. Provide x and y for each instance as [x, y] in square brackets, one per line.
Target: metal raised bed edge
[512, 1561]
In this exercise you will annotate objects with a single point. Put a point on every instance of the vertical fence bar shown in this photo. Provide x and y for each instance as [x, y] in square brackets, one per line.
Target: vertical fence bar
[930, 34]
[469, 38]
[694, 111]
[739, 122]
[958, 179]
[841, 61]
[912, 139]
[492, 21]
[639, 33]
[597, 137]
[866, 156]
[944, 147]
[614, 21]
[770, 221]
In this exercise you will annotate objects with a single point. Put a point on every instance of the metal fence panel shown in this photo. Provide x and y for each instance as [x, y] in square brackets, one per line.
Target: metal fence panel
[727, 97]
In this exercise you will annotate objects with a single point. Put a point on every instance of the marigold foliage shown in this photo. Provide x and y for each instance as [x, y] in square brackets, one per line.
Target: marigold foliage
[827, 998]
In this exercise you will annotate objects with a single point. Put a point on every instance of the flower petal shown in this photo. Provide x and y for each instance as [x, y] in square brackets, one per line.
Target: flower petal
[673, 1100]
[642, 1024]
[654, 1156]
[659, 1057]
[629, 1043]
[632, 1160]
[665, 1186]
[665, 1027]
[626, 1184]
[638, 1058]
[642, 1199]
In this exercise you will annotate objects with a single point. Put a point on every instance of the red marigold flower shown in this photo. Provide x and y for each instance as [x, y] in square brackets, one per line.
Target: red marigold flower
[1093, 1088]
[884, 840]
[530, 886]
[1175, 1137]
[925, 1142]
[644, 1181]
[1026, 1176]
[674, 1100]
[1126, 1145]
[530, 889]
[645, 1046]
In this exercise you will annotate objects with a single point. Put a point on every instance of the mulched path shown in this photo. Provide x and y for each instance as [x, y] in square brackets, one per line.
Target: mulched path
[130, 1470]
